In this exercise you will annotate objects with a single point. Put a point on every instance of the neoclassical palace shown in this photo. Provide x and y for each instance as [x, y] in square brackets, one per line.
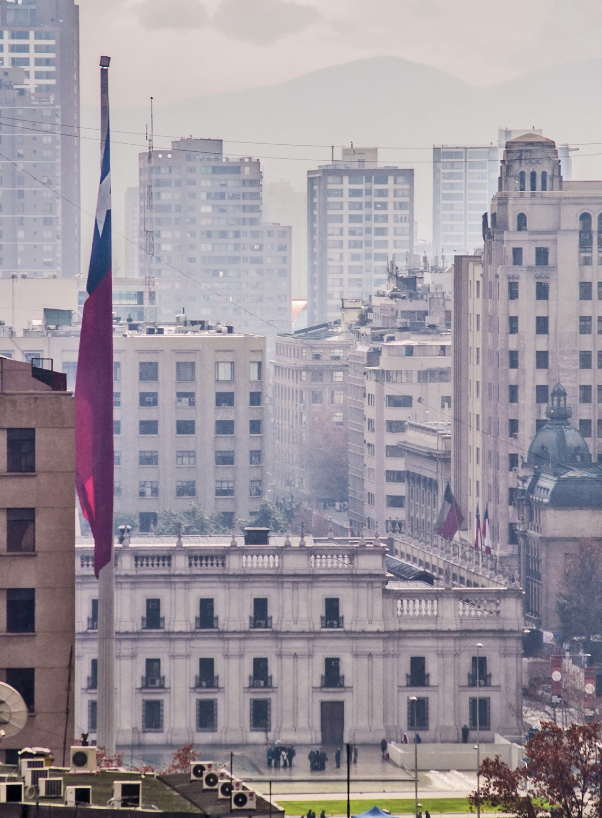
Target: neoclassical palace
[304, 640]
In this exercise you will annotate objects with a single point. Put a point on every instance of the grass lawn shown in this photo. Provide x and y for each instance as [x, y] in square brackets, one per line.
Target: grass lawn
[394, 805]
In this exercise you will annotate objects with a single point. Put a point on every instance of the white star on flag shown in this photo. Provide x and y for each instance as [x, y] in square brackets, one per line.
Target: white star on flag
[104, 202]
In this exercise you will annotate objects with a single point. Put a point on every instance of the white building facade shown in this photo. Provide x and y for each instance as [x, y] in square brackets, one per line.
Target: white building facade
[218, 642]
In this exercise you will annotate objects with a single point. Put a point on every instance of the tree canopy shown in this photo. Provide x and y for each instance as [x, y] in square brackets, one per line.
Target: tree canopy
[563, 769]
[579, 604]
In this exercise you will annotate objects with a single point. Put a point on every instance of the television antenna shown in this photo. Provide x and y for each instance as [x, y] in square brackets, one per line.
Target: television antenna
[13, 711]
[149, 233]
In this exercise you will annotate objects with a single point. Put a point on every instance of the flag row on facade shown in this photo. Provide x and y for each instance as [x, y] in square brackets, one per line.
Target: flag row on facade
[450, 520]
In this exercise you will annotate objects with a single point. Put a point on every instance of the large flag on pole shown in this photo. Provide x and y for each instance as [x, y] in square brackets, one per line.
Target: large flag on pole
[450, 517]
[94, 383]
[477, 530]
[486, 532]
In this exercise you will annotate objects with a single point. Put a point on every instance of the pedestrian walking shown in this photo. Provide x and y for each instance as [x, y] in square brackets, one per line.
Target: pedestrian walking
[418, 739]
[465, 732]
[270, 757]
[312, 761]
[383, 748]
[405, 738]
[323, 814]
[337, 758]
[290, 754]
[427, 814]
[355, 752]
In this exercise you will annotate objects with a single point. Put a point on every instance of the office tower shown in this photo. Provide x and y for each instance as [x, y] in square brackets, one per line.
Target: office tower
[358, 216]
[283, 204]
[464, 180]
[525, 318]
[132, 221]
[39, 72]
[37, 551]
[213, 257]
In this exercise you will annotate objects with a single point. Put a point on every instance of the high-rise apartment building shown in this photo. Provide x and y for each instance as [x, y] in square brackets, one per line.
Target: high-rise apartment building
[464, 180]
[213, 257]
[39, 177]
[188, 409]
[132, 222]
[525, 317]
[358, 216]
[37, 551]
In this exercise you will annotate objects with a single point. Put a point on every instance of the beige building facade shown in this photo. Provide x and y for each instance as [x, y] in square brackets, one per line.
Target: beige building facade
[311, 642]
[527, 320]
[37, 541]
[188, 417]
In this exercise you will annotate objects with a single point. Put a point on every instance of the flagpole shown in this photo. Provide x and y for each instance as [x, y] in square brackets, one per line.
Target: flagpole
[106, 577]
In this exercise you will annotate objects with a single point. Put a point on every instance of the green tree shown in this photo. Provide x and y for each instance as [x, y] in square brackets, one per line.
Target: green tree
[125, 518]
[193, 520]
[278, 516]
[579, 604]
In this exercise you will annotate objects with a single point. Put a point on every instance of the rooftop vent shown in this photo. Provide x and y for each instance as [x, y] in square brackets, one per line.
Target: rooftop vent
[257, 536]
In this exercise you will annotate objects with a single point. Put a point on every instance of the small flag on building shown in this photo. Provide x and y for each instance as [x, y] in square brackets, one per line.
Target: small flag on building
[94, 383]
[486, 532]
[477, 530]
[450, 517]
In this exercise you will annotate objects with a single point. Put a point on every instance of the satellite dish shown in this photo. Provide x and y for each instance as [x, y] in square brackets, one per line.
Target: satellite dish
[13, 711]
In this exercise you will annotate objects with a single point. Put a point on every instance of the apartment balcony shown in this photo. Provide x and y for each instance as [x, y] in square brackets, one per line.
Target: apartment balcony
[332, 681]
[255, 623]
[484, 681]
[154, 624]
[418, 681]
[266, 682]
[152, 682]
[210, 682]
[332, 622]
[205, 623]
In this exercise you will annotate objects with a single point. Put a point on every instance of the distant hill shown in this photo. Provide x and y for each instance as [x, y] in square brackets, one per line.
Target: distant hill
[384, 101]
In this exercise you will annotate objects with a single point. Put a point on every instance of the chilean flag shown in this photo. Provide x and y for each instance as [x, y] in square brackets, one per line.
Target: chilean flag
[94, 384]
[486, 532]
[450, 517]
[477, 533]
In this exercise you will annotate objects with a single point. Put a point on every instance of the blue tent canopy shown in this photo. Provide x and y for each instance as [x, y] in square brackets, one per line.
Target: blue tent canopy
[375, 812]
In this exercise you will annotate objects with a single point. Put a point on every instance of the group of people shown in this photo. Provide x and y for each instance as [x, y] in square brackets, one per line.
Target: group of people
[317, 760]
[312, 814]
[280, 756]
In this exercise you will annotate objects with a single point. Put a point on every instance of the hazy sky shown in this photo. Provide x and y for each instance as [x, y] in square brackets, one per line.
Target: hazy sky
[175, 49]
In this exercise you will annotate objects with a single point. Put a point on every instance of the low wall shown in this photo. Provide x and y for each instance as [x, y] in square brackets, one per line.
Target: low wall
[454, 756]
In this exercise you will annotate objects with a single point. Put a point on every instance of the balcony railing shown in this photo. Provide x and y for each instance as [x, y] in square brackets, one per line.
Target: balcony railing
[205, 623]
[484, 680]
[91, 683]
[332, 681]
[418, 681]
[156, 623]
[331, 621]
[152, 682]
[256, 622]
[265, 682]
[92, 624]
[202, 683]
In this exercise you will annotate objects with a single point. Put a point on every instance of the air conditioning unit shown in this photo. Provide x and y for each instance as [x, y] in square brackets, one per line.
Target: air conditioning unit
[33, 776]
[244, 799]
[199, 768]
[82, 760]
[515, 469]
[226, 785]
[11, 792]
[127, 794]
[32, 764]
[154, 681]
[51, 787]
[78, 795]
[211, 780]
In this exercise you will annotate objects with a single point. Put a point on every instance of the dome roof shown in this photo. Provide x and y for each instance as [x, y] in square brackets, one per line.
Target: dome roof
[558, 443]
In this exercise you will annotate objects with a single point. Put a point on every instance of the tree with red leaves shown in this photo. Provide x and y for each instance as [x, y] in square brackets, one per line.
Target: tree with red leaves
[182, 758]
[563, 769]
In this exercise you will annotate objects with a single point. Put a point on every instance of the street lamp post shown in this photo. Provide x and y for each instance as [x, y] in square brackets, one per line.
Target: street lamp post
[479, 646]
[413, 710]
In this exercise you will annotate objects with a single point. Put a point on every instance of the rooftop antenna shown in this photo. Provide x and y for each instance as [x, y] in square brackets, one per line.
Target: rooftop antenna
[149, 233]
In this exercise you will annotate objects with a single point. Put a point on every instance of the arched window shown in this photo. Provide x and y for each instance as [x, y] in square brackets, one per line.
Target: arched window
[533, 180]
[544, 180]
[586, 239]
[522, 180]
[521, 222]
